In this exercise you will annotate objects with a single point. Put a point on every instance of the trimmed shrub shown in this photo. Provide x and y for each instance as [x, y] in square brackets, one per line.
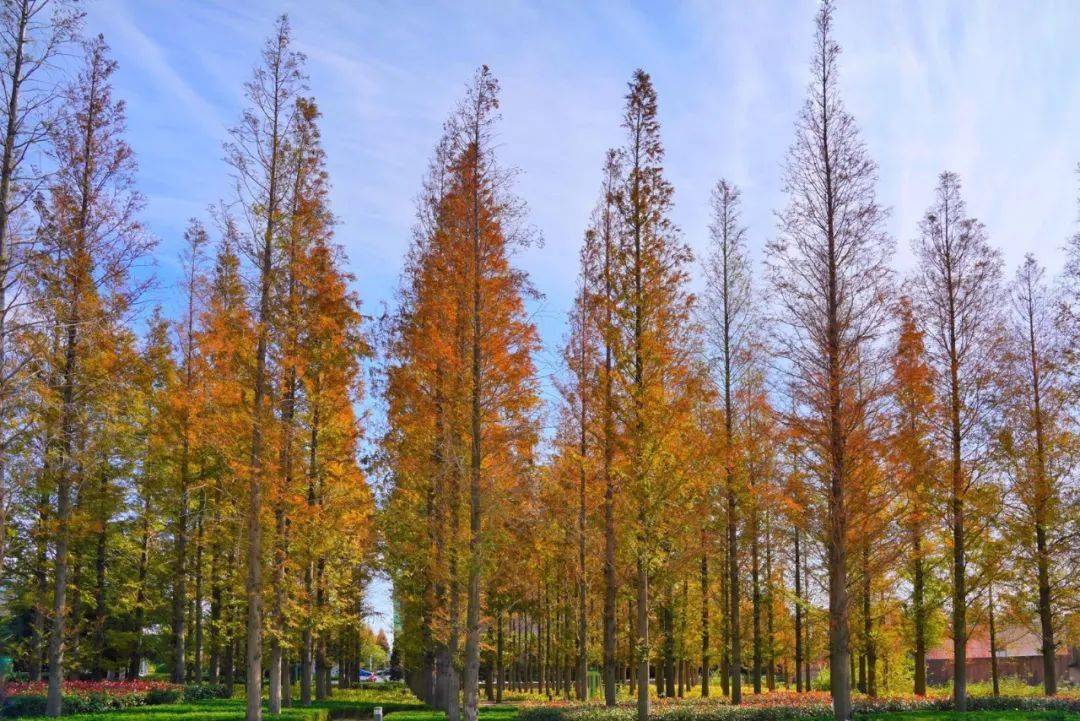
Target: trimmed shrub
[164, 695]
[28, 699]
[24, 705]
[206, 691]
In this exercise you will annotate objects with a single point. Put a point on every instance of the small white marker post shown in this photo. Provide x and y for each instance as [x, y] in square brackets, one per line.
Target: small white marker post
[378, 713]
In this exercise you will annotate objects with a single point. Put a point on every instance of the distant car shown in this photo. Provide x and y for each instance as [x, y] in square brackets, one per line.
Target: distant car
[366, 676]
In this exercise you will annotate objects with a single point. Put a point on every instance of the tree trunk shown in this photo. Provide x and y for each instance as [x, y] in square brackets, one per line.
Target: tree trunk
[278, 615]
[322, 678]
[609, 510]
[41, 577]
[500, 670]
[230, 613]
[179, 599]
[307, 640]
[705, 661]
[1045, 618]
[755, 578]
[868, 635]
[631, 647]
[135, 664]
[669, 645]
[919, 611]
[1042, 492]
[770, 638]
[799, 651]
[642, 636]
[197, 666]
[806, 645]
[682, 636]
[63, 513]
[659, 674]
[993, 642]
[215, 603]
[959, 565]
[734, 631]
[725, 622]
[286, 681]
[582, 637]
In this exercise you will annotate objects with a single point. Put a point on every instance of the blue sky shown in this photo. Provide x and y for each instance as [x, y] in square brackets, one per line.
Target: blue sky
[986, 89]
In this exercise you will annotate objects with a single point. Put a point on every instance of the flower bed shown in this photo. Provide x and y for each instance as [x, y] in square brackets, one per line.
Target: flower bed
[785, 706]
[28, 698]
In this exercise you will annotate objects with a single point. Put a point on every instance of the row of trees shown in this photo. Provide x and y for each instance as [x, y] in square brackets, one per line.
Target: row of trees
[825, 462]
[201, 475]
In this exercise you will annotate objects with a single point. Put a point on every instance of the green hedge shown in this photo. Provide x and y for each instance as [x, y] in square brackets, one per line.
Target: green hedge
[206, 691]
[34, 704]
[24, 704]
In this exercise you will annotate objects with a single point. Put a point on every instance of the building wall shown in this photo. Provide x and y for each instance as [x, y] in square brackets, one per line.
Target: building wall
[1027, 668]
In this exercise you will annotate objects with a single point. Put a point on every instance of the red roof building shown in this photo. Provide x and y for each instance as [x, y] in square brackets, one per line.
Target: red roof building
[1019, 655]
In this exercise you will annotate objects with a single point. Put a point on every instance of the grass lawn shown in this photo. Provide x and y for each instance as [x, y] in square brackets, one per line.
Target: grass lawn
[487, 713]
[974, 716]
[359, 704]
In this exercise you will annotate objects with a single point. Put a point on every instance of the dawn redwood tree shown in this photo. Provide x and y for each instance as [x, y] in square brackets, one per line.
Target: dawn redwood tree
[257, 153]
[795, 496]
[195, 238]
[226, 342]
[915, 465]
[754, 447]
[598, 257]
[328, 348]
[461, 394]
[187, 406]
[500, 381]
[870, 519]
[727, 312]
[580, 359]
[1037, 435]
[958, 296]
[307, 219]
[91, 239]
[832, 284]
[599, 295]
[579, 356]
[652, 310]
[421, 442]
[32, 34]
[154, 377]
[339, 498]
